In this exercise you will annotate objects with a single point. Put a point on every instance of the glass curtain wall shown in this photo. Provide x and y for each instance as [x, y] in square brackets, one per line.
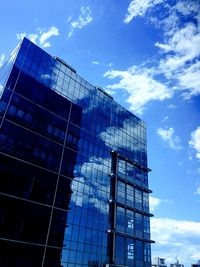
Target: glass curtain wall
[57, 134]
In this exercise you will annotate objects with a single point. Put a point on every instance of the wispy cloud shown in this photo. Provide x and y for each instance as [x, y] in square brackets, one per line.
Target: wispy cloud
[172, 106]
[155, 202]
[165, 118]
[95, 62]
[177, 68]
[195, 141]
[139, 8]
[83, 19]
[53, 31]
[181, 50]
[197, 192]
[168, 135]
[176, 238]
[41, 37]
[2, 58]
[114, 136]
[180, 63]
[140, 85]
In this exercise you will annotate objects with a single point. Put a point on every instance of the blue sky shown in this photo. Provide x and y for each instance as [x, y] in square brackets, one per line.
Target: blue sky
[146, 54]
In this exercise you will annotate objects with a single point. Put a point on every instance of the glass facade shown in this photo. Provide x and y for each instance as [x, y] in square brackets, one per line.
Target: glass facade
[73, 167]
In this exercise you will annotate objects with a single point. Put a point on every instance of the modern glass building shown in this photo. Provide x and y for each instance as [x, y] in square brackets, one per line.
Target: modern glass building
[73, 170]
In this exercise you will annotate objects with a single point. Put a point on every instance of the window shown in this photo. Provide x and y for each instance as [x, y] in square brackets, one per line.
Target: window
[130, 172]
[145, 201]
[139, 252]
[121, 192]
[146, 227]
[130, 249]
[138, 199]
[130, 195]
[147, 252]
[138, 175]
[138, 225]
[120, 219]
[129, 221]
[121, 168]
[130, 224]
[119, 250]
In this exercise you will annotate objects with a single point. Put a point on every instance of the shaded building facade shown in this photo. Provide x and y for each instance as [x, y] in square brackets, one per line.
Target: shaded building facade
[73, 167]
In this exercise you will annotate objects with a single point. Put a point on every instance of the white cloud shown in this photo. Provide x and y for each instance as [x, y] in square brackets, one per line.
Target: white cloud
[114, 136]
[110, 64]
[41, 37]
[168, 136]
[21, 35]
[140, 85]
[83, 20]
[139, 8]
[53, 31]
[172, 106]
[184, 45]
[90, 192]
[95, 62]
[2, 58]
[70, 33]
[154, 203]
[175, 238]
[185, 8]
[177, 69]
[33, 37]
[189, 80]
[47, 44]
[165, 118]
[164, 47]
[195, 141]
[184, 41]
[181, 48]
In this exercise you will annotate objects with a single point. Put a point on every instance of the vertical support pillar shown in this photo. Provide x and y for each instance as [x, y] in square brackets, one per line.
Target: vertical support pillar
[112, 209]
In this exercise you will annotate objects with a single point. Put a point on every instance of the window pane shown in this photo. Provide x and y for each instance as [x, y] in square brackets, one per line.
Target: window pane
[130, 195]
[129, 221]
[121, 168]
[121, 192]
[120, 219]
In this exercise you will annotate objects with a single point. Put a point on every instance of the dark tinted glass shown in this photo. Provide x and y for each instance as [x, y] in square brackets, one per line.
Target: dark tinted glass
[20, 255]
[53, 258]
[22, 220]
[42, 95]
[20, 143]
[36, 118]
[26, 181]
[58, 226]
[64, 192]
